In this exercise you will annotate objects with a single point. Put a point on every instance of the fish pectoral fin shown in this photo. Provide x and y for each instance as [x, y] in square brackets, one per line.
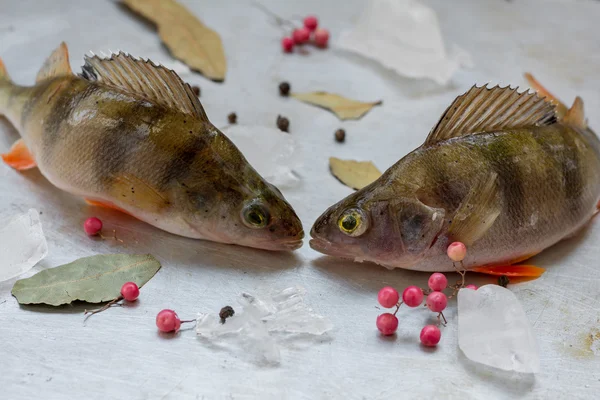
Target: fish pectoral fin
[511, 270]
[105, 204]
[135, 191]
[56, 65]
[477, 212]
[155, 83]
[484, 109]
[19, 157]
[561, 108]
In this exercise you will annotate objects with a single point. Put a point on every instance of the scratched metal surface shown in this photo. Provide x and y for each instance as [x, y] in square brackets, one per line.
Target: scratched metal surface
[50, 353]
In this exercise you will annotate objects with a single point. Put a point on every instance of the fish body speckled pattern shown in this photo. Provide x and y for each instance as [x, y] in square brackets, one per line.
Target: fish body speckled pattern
[507, 173]
[131, 135]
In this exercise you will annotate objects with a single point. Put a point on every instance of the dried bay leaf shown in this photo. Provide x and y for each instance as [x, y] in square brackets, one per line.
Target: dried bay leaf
[342, 107]
[355, 174]
[187, 38]
[92, 279]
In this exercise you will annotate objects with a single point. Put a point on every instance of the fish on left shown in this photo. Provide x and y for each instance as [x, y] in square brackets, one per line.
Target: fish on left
[131, 135]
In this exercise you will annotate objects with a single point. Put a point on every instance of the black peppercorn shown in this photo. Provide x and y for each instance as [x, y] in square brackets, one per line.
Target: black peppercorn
[225, 313]
[284, 89]
[283, 123]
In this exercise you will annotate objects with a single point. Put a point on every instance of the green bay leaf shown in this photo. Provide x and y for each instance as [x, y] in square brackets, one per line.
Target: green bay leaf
[92, 279]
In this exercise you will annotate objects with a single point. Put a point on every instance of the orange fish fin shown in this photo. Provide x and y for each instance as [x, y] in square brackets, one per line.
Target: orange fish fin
[511, 270]
[561, 108]
[105, 204]
[19, 157]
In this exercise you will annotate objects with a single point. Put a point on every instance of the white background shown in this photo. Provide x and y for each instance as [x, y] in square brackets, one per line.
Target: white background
[50, 353]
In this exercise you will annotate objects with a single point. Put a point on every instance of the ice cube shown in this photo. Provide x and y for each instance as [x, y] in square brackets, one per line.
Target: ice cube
[22, 244]
[494, 330]
[252, 328]
[274, 154]
[404, 35]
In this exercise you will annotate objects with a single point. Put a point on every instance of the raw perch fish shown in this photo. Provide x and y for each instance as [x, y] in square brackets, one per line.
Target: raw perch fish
[130, 135]
[507, 173]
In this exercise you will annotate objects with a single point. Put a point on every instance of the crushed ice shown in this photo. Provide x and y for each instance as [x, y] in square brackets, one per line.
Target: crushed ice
[274, 154]
[264, 325]
[494, 330]
[405, 36]
[22, 244]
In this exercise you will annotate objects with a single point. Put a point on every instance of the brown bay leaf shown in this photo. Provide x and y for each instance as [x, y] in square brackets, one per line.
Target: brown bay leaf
[186, 36]
[342, 107]
[355, 174]
[92, 279]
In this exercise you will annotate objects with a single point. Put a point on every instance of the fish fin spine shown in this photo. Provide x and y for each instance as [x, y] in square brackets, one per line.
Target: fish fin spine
[483, 109]
[561, 108]
[19, 157]
[57, 64]
[155, 83]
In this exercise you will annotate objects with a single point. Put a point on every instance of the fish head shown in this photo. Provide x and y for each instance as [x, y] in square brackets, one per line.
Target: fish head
[267, 221]
[223, 199]
[370, 225]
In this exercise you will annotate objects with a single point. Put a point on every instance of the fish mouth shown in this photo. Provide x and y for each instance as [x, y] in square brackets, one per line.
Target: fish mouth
[288, 244]
[326, 247]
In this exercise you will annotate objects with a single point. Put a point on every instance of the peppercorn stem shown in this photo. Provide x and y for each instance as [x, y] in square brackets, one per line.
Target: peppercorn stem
[442, 315]
[105, 307]
[278, 19]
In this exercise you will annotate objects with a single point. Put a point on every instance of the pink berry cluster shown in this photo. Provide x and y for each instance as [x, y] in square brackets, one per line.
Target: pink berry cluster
[300, 36]
[413, 296]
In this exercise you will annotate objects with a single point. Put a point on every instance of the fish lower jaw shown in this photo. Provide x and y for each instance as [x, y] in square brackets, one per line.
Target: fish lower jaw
[328, 248]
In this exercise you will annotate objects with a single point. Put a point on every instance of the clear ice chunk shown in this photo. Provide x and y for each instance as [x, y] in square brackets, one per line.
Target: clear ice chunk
[405, 36]
[262, 326]
[274, 154]
[493, 330]
[22, 244]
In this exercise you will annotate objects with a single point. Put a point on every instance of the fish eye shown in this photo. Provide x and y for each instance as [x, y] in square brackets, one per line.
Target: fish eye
[353, 222]
[255, 216]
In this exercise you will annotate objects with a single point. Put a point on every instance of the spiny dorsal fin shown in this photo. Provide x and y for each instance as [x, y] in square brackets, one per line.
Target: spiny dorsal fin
[155, 83]
[56, 65]
[561, 108]
[482, 109]
[575, 115]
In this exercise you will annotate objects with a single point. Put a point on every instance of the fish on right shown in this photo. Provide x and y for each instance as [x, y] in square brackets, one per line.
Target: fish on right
[507, 173]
